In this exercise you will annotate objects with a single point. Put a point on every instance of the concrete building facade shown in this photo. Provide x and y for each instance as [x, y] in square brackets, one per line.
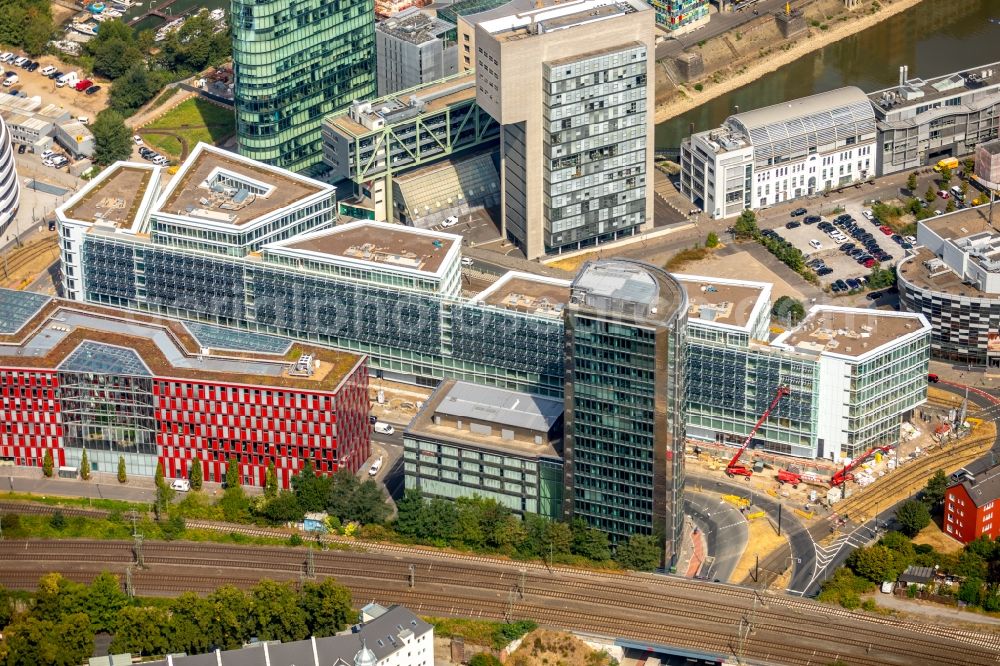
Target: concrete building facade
[10, 188]
[412, 49]
[572, 87]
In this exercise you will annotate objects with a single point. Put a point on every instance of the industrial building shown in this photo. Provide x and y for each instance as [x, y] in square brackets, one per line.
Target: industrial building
[233, 242]
[78, 378]
[953, 279]
[626, 324]
[921, 121]
[477, 441]
[763, 157]
[373, 141]
[10, 188]
[391, 636]
[413, 49]
[970, 501]
[572, 87]
[293, 67]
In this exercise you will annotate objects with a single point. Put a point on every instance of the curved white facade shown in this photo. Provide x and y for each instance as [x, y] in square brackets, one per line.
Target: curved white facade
[10, 190]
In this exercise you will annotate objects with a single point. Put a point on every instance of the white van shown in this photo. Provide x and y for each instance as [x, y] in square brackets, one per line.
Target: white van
[70, 79]
[384, 428]
[21, 61]
[376, 466]
[180, 485]
[10, 80]
[45, 71]
[815, 244]
[956, 192]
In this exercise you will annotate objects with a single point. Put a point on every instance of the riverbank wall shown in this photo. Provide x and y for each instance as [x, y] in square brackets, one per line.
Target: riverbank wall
[745, 54]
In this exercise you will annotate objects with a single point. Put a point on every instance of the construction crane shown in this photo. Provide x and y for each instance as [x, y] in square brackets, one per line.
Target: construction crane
[845, 474]
[736, 469]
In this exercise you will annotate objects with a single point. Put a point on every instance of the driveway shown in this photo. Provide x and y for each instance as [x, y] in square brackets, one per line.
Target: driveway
[725, 529]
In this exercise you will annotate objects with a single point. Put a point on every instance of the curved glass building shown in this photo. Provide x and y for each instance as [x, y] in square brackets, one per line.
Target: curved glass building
[295, 64]
[10, 190]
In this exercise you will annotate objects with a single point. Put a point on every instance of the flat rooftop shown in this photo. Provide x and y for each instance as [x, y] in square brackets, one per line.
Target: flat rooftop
[467, 402]
[196, 196]
[115, 199]
[924, 270]
[532, 294]
[849, 331]
[531, 23]
[414, 26]
[921, 91]
[405, 106]
[723, 302]
[378, 243]
[961, 223]
[629, 288]
[90, 338]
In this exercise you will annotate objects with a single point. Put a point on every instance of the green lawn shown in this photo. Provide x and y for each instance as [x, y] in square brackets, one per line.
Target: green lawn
[164, 143]
[196, 120]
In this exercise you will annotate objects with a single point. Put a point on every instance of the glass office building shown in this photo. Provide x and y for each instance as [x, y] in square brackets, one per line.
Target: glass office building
[295, 64]
[625, 402]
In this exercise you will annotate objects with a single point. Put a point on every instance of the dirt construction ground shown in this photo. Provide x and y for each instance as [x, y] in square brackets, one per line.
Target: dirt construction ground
[76, 103]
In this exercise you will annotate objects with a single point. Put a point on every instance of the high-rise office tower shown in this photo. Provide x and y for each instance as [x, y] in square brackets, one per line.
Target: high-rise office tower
[295, 64]
[625, 398]
[572, 86]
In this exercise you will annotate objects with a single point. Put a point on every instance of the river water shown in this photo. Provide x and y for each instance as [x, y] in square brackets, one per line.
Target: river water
[935, 37]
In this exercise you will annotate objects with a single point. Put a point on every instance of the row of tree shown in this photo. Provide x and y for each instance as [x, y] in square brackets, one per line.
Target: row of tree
[26, 24]
[746, 227]
[59, 625]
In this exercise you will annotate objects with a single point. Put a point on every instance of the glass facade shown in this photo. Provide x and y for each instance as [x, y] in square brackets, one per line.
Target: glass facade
[625, 404]
[595, 150]
[295, 63]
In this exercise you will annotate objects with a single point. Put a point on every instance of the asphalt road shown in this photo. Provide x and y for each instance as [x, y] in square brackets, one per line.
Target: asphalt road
[720, 23]
[803, 550]
[725, 531]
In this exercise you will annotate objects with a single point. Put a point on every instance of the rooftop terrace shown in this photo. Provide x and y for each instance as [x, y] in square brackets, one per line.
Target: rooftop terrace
[923, 269]
[723, 301]
[849, 331]
[115, 199]
[90, 338]
[219, 187]
[532, 294]
[378, 243]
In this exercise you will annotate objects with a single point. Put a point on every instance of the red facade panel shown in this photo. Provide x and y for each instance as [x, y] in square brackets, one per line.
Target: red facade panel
[30, 423]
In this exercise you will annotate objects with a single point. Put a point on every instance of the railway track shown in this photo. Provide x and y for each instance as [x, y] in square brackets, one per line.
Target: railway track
[667, 605]
[28, 254]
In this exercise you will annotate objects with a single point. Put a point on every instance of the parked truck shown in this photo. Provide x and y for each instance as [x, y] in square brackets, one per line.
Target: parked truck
[948, 162]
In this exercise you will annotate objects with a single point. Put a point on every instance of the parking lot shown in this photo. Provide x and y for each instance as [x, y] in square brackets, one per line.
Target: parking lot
[816, 241]
[76, 103]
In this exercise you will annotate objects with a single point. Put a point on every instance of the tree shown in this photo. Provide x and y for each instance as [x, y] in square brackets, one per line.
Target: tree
[37, 31]
[112, 139]
[312, 490]
[190, 616]
[912, 517]
[641, 553]
[971, 591]
[103, 602]
[746, 225]
[57, 521]
[57, 598]
[122, 474]
[327, 607]
[876, 563]
[933, 494]
[485, 659]
[968, 166]
[196, 475]
[712, 240]
[6, 607]
[132, 89]
[270, 482]
[788, 309]
[164, 493]
[282, 508]
[899, 543]
[368, 504]
[930, 194]
[881, 277]
[173, 528]
[946, 176]
[48, 464]
[232, 473]
[114, 49]
[970, 565]
[589, 542]
[410, 513]
[141, 631]
[275, 613]
[911, 180]
[232, 617]
[84, 466]
[37, 641]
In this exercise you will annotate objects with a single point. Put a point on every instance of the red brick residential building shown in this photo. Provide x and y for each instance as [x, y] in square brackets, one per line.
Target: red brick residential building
[972, 504]
[80, 377]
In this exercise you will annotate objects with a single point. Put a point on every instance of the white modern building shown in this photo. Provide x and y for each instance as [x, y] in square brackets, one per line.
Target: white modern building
[763, 157]
[10, 189]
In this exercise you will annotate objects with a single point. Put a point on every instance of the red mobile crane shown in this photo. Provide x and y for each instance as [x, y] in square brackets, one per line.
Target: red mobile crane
[734, 468]
[845, 474]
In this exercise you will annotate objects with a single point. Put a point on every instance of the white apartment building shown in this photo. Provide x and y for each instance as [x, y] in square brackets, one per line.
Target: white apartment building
[766, 156]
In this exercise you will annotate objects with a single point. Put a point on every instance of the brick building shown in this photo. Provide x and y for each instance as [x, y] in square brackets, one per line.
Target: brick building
[78, 377]
[970, 501]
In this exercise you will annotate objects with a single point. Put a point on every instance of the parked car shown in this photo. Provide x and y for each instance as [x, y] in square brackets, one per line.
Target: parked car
[384, 428]
[825, 270]
[21, 149]
[867, 214]
[798, 212]
[886, 230]
[137, 140]
[32, 67]
[91, 90]
[21, 61]
[853, 284]
[869, 262]
[943, 194]
[932, 378]
[375, 466]
[793, 225]
[811, 219]
[875, 295]
[910, 239]
[815, 244]
[5, 56]
[450, 221]
[83, 85]
[48, 69]
[840, 284]
[180, 485]
[467, 261]
[906, 246]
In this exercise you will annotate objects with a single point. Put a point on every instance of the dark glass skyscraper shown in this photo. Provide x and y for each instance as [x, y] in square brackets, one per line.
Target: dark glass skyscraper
[625, 397]
[296, 62]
